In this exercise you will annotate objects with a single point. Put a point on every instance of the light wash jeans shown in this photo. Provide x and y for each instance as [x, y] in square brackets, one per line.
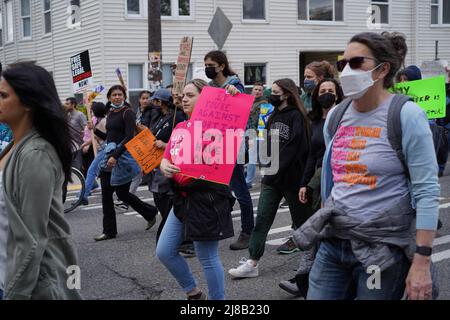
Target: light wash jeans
[337, 275]
[207, 253]
[252, 162]
[92, 174]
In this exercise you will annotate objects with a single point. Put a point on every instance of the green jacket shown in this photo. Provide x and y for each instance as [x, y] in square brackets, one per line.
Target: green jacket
[39, 247]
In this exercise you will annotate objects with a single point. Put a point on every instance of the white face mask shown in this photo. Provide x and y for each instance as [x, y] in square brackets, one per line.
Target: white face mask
[355, 83]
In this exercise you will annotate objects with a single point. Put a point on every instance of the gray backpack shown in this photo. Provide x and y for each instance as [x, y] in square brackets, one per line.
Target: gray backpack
[394, 126]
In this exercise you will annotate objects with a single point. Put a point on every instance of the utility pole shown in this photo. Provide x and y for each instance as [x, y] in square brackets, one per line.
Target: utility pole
[154, 45]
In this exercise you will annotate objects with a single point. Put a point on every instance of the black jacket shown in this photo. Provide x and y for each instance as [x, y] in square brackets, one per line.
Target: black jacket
[316, 153]
[205, 209]
[293, 148]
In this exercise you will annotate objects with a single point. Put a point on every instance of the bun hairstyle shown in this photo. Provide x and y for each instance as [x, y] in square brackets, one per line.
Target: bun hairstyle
[322, 69]
[386, 48]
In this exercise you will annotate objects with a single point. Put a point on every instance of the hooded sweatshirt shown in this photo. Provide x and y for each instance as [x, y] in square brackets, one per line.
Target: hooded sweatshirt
[293, 148]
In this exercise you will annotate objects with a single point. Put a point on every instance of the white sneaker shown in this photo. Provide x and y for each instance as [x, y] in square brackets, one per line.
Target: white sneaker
[245, 270]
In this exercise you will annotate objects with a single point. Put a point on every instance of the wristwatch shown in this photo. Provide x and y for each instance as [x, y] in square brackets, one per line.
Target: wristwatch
[424, 251]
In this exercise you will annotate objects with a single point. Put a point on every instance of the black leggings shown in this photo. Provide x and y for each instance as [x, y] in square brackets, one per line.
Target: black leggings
[123, 193]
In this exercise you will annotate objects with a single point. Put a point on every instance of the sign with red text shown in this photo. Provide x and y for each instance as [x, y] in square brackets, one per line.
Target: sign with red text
[82, 77]
[213, 136]
[184, 58]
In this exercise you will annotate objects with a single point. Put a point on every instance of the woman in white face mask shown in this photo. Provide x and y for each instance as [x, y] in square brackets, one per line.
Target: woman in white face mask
[367, 188]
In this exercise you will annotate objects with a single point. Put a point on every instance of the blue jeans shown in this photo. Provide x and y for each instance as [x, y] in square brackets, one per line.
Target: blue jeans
[1, 294]
[252, 161]
[337, 275]
[207, 253]
[240, 189]
[92, 174]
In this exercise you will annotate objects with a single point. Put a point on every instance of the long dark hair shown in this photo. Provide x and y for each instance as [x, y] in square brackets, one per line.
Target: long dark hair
[386, 47]
[220, 58]
[317, 111]
[290, 89]
[36, 90]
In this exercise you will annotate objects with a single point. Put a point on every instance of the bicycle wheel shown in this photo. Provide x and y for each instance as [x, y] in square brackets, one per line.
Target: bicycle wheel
[75, 190]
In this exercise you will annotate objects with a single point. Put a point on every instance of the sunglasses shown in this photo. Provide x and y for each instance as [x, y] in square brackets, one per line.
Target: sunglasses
[355, 63]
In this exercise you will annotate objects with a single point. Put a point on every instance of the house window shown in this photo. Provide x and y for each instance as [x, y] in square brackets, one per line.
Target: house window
[47, 17]
[176, 8]
[25, 12]
[168, 74]
[254, 9]
[321, 10]
[381, 10]
[254, 72]
[134, 7]
[440, 11]
[74, 11]
[9, 21]
[135, 82]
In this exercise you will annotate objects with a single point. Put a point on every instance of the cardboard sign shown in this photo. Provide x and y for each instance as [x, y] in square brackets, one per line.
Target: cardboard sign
[429, 94]
[213, 136]
[184, 58]
[142, 149]
[266, 111]
[81, 72]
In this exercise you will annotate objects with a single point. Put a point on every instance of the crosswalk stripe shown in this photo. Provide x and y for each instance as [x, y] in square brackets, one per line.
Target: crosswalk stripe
[441, 240]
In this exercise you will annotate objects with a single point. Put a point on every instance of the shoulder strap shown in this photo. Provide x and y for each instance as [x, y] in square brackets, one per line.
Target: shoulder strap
[336, 116]
[394, 128]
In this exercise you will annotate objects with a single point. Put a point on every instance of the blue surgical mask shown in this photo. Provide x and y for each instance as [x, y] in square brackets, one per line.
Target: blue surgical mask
[117, 107]
[309, 85]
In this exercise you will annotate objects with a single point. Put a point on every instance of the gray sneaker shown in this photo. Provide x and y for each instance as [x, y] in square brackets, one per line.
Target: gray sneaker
[242, 242]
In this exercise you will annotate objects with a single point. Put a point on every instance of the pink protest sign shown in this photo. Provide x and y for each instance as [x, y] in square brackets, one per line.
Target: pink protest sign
[213, 135]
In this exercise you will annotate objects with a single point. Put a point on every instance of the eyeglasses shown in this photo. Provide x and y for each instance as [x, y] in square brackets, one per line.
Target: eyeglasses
[355, 63]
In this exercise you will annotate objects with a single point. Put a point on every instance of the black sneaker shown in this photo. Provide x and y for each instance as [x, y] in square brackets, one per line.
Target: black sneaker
[291, 287]
[439, 225]
[242, 242]
[198, 296]
[284, 205]
[288, 247]
[122, 206]
[187, 250]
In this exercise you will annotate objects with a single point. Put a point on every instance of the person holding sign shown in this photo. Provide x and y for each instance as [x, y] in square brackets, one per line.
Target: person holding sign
[161, 128]
[217, 68]
[373, 171]
[118, 168]
[201, 213]
[291, 122]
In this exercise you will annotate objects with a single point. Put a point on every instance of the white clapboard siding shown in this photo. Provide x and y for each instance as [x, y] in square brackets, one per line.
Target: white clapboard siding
[116, 40]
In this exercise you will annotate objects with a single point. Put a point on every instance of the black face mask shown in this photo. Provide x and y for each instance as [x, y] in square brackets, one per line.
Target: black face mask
[211, 72]
[275, 100]
[326, 100]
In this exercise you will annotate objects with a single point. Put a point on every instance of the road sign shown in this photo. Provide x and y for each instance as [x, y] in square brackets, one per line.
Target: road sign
[220, 28]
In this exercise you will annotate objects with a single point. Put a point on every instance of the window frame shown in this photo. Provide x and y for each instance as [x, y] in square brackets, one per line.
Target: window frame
[174, 15]
[144, 82]
[389, 6]
[22, 25]
[44, 12]
[322, 22]
[266, 14]
[143, 5]
[440, 23]
[10, 21]
[253, 63]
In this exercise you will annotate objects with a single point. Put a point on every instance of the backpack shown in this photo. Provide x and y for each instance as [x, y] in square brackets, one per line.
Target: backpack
[394, 126]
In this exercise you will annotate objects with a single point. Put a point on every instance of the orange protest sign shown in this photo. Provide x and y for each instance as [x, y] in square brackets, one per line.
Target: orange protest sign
[142, 149]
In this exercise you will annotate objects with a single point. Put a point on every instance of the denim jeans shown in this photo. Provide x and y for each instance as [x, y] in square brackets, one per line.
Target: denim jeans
[207, 253]
[92, 174]
[240, 189]
[1, 294]
[252, 162]
[337, 275]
